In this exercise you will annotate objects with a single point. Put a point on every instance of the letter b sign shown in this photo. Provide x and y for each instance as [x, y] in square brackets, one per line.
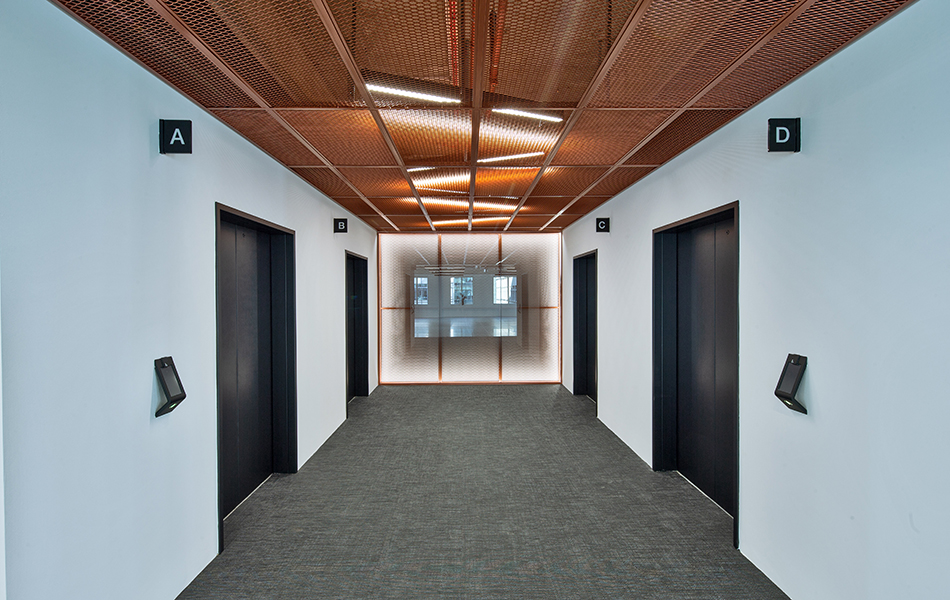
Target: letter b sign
[339, 225]
[785, 135]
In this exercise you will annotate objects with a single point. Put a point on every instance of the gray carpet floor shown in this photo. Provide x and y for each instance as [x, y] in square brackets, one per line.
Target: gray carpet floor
[478, 492]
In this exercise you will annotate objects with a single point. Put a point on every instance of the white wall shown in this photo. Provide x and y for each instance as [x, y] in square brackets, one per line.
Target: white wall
[845, 258]
[108, 263]
[3, 533]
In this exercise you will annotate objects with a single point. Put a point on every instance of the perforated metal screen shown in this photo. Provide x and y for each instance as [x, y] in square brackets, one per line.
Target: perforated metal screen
[469, 308]
[377, 103]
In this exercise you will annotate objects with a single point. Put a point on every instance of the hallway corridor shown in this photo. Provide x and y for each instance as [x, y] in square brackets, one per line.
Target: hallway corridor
[478, 492]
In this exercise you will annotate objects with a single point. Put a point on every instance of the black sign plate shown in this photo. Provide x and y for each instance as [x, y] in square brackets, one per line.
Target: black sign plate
[603, 225]
[174, 137]
[339, 225]
[785, 135]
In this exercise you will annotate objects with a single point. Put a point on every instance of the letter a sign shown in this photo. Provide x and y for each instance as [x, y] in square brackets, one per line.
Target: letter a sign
[785, 135]
[174, 137]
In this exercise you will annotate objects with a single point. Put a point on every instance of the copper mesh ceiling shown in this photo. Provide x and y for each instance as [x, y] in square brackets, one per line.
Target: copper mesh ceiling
[491, 115]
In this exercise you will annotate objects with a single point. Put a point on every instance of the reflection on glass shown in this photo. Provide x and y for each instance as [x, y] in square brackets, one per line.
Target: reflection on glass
[506, 289]
[461, 290]
[421, 285]
[459, 327]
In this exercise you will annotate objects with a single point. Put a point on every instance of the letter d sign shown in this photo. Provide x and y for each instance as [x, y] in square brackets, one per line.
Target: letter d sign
[785, 135]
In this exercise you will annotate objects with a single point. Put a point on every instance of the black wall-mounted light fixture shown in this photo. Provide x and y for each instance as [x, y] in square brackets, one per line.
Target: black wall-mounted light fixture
[170, 383]
[788, 383]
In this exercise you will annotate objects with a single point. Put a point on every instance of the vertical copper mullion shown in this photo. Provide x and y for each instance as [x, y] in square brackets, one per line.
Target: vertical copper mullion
[500, 339]
[439, 271]
[379, 311]
[343, 50]
[183, 30]
[480, 35]
[628, 28]
[766, 37]
[560, 303]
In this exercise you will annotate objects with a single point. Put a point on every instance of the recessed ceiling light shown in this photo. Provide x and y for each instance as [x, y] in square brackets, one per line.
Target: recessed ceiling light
[528, 115]
[406, 93]
[510, 157]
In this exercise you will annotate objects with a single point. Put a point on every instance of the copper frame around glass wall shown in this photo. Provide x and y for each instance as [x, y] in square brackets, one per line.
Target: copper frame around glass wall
[457, 330]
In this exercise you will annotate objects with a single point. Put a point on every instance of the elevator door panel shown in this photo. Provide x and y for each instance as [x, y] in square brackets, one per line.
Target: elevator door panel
[707, 360]
[245, 370]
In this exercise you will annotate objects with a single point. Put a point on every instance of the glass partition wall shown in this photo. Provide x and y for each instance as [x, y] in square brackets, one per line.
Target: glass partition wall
[469, 307]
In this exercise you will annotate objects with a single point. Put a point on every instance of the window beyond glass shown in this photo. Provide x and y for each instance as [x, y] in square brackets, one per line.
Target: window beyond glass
[421, 285]
[506, 289]
[461, 290]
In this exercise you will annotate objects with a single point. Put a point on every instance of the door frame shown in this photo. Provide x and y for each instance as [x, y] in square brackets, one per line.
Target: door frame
[574, 263]
[365, 324]
[665, 341]
[283, 342]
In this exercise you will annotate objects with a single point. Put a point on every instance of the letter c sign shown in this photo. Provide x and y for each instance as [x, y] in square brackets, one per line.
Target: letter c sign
[603, 225]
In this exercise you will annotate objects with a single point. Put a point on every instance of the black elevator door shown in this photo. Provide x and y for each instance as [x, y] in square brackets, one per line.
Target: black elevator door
[244, 362]
[357, 328]
[585, 326]
[707, 360]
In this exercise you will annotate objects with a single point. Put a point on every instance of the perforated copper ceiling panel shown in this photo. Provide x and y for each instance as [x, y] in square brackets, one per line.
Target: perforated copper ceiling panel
[279, 47]
[259, 127]
[546, 52]
[681, 46]
[686, 130]
[441, 182]
[544, 205]
[378, 182]
[156, 44]
[821, 30]
[404, 207]
[504, 181]
[327, 182]
[565, 220]
[608, 90]
[431, 137]
[582, 207]
[567, 181]
[502, 135]
[619, 180]
[417, 46]
[602, 137]
[344, 137]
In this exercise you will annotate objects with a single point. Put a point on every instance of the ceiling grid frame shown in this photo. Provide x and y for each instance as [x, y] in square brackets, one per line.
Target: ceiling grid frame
[185, 31]
[542, 109]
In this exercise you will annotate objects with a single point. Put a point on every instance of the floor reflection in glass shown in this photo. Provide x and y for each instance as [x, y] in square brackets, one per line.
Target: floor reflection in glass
[425, 327]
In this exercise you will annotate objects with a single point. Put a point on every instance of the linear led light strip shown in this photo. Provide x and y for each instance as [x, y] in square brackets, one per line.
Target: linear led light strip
[464, 204]
[461, 126]
[407, 94]
[510, 157]
[433, 183]
[527, 115]
[474, 221]
[446, 100]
